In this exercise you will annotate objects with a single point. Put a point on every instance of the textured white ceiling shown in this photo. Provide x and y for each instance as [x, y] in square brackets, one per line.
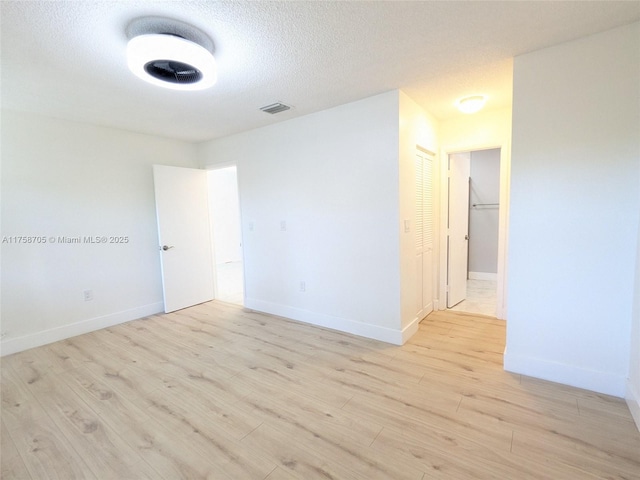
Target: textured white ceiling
[67, 58]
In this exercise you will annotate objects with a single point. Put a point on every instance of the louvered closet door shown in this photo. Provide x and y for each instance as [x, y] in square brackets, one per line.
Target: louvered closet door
[424, 233]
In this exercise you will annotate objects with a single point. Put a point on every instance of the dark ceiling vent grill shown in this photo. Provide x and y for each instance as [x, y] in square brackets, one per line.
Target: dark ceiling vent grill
[173, 72]
[275, 108]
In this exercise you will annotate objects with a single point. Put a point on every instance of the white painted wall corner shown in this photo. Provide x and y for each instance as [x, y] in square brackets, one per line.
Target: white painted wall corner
[633, 401]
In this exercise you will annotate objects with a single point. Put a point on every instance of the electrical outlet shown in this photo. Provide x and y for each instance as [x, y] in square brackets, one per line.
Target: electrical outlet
[303, 287]
[88, 295]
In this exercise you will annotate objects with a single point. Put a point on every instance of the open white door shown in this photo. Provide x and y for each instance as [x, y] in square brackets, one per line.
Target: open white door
[458, 232]
[182, 210]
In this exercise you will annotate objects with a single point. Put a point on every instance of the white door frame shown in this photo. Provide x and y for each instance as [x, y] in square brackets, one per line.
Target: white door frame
[219, 166]
[503, 221]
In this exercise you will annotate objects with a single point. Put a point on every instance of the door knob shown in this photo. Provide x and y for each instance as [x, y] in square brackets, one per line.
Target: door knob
[165, 247]
[466, 237]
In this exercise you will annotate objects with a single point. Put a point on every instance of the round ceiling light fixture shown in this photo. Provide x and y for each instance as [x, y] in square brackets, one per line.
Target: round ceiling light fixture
[170, 54]
[471, 104]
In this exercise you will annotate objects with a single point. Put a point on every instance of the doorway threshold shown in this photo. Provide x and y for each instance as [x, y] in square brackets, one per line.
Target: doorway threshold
[481, 298]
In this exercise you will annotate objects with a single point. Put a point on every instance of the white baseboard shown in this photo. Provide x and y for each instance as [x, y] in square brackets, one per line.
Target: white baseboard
[388, 335]
[483, 276]
[633, 401]
[14, 345]
[409, 330]
[594, 380]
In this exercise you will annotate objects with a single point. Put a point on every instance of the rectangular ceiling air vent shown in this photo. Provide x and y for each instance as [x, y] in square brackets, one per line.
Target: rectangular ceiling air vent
[275, 108]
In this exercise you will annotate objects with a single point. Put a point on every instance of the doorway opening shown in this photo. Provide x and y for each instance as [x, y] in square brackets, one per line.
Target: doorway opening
[226, 235]
[473, 231]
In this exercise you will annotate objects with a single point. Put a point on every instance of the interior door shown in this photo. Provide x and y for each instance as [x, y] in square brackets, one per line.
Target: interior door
[458, 227]
[424, 233]
[182, 210]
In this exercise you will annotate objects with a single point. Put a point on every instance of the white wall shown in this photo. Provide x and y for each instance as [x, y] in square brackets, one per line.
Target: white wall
[69, 179]
[332, 176]
[416, 128]
[574, 207]
[482, 130]
[633, 383]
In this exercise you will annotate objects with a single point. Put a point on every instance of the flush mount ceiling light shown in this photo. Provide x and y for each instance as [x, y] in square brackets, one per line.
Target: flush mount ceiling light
[170, 54]
[471, 104]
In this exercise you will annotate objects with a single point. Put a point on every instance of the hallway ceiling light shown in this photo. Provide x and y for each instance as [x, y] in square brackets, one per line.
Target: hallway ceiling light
[471, 104]
[170, 54]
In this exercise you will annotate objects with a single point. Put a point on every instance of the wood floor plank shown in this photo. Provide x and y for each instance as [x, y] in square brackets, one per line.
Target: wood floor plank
[294, 458]
[446, 424]
[46, 452]
[213, 403]
[170, 452]
[11, 464]
[305, 379]
[104, 451]
[542, 421]
[104, 400]
[19, 406]
[47, 455]
[230, 456]
[579, 454]
[319, 456]
[280, 474]
[219, 392]
[281, 407]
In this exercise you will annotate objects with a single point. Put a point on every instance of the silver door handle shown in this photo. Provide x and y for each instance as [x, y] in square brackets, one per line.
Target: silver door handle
[165, 247]
[466, 237]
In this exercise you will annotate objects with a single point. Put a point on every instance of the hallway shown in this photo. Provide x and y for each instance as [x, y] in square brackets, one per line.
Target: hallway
[481, 298]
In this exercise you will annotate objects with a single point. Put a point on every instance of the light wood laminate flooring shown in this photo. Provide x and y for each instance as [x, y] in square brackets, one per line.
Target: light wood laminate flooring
[217, 392]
